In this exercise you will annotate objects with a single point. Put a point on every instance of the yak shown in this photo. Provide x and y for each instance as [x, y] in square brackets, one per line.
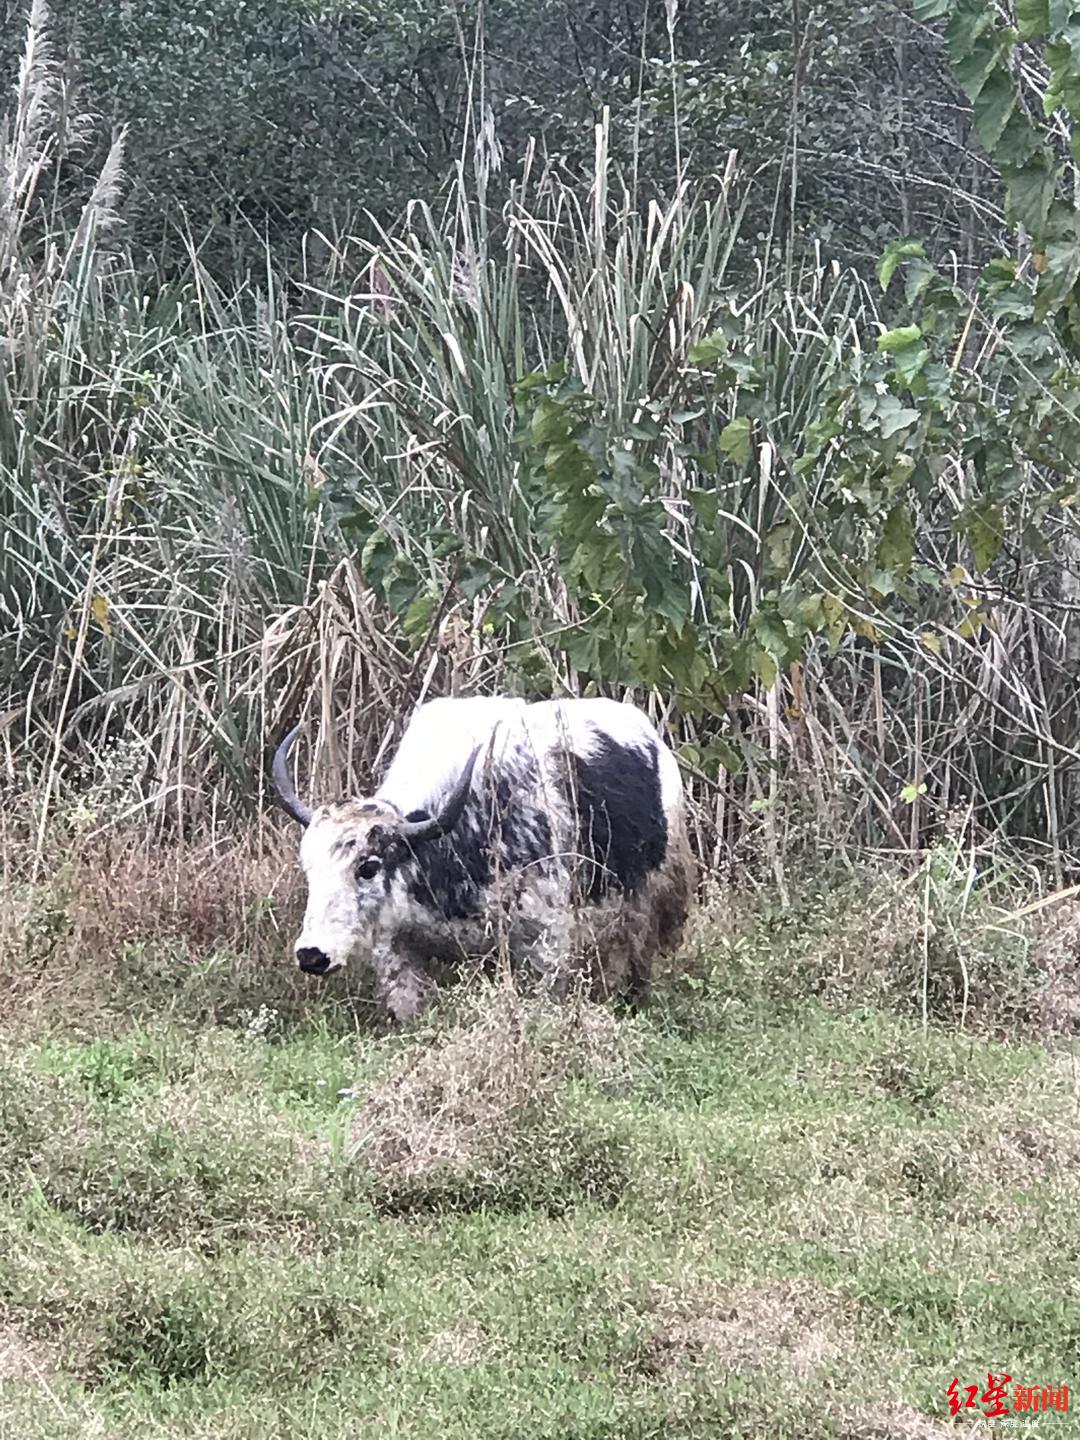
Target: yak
[553, 833]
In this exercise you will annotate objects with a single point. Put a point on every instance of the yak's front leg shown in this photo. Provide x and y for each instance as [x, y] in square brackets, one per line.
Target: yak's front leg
[402, 983]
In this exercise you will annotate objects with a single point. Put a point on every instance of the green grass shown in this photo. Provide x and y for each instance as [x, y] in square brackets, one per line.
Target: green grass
[654, 1228]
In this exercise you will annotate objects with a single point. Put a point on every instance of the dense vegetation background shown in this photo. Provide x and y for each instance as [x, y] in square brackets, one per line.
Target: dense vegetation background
[253, 121]
[726, 354]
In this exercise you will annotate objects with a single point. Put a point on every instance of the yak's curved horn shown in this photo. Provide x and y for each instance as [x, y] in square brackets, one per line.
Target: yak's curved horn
[417, 830]
[283, 786]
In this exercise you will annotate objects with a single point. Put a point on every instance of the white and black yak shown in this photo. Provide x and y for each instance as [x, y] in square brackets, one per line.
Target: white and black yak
[552, 832]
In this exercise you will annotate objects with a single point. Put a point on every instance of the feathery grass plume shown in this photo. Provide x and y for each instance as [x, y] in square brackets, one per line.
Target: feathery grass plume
[101, 211]
[27, 139]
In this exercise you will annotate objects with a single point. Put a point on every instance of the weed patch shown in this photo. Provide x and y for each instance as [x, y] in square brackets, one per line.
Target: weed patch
[793, 1325]
[480, 1114]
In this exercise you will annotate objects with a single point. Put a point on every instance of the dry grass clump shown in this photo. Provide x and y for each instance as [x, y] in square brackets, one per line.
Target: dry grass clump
[456, 1099]
[793, 1325]
[460, 1346]
[502, 1110]
[942, 941]
[851, 942]
[1056, 952]
[104, 910]
[1030, 1134]
[121, 1168]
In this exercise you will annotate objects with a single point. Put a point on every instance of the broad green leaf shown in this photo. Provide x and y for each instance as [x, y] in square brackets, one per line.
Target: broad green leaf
[892, 416]
[417, 618]
[672, 603]
[896, 252]
[709, 348]
[1001, 269]
[910, 793]
[900, 338]
[836, 620]
[725, 755]
[706, 505]
[993, 106]
[910, 362]
[1059, 276]
[551, 421]
[985, 532]
[1019, 143]
[735, 440]
[907, 349]
[1032, 18]
[583, 649]
[976, 66]
[376, 558]
[930, 9]
[1029, 192]
[778, 542]
[402, 590]
[773, 634]
[966, 23]
[931, 642]
[881, 584]
[764, 667]
[819, 432]
[812, 612]
[919, 276]
[896, 548]
[476, 578]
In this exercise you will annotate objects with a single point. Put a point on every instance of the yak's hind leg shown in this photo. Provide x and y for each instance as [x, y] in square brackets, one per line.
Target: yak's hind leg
[635, 933]
[611, 953]
[672, 891]
[628, 962]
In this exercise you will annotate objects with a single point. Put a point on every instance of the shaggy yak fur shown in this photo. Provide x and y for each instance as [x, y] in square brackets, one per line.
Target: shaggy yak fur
[552, 833]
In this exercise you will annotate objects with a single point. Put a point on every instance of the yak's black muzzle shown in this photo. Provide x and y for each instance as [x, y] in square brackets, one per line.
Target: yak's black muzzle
[312, 961]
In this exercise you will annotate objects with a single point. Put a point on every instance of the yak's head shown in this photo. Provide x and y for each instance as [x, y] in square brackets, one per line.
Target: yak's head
[350, 852]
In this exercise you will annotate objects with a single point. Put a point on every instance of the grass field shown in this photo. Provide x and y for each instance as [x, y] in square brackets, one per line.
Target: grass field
[752, 1212]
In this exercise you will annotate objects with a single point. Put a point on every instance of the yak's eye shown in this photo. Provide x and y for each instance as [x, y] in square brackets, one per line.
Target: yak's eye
[368, 868]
